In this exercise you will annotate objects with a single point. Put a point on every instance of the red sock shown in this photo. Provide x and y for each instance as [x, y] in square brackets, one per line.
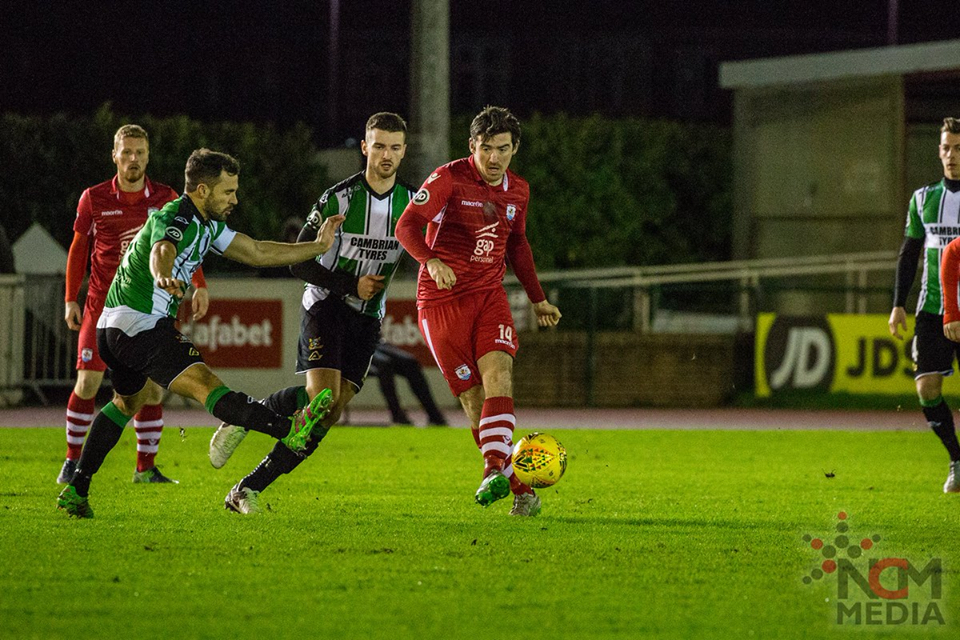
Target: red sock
[496, 432]
[148, 423]
[79, 416]
[516, 486]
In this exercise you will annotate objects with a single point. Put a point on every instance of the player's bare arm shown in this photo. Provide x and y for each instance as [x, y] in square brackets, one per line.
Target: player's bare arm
[548, 315]
[72, 315]
[898, 320]
[952, 331]
[162, 257]
[200, 303]
[265, 253]
[369, 286]
[441, 273]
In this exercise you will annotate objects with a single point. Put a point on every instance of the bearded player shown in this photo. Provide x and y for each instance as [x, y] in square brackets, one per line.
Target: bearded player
[108, 217]
[475, 212]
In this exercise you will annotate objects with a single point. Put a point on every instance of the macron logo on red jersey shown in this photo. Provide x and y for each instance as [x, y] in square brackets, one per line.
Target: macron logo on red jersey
[116, 212]
[471, 203]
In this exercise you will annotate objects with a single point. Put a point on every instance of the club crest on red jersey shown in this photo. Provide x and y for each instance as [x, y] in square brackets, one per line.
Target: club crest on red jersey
[511, 212]
[463, 372]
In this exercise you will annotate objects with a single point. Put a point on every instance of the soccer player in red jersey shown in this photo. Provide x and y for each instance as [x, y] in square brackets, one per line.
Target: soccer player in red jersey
[475, 212]
[109, 216]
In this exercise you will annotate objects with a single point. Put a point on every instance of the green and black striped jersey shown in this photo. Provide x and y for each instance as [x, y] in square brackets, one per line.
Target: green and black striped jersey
[134, 303]
[934, 217]
[365, 244]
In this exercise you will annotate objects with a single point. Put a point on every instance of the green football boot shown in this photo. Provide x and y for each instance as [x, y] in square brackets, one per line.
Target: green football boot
[152, 475]
[494, 487]
[73, 504]
[303, 421]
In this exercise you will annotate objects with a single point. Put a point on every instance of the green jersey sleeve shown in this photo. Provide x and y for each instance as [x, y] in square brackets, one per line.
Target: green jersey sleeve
[914, 227]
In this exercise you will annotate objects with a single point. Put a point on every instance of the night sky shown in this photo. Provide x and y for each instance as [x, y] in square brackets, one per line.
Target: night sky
[268, 61]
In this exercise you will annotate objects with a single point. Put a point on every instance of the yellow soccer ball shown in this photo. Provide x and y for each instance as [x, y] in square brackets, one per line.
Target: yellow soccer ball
[539, 460]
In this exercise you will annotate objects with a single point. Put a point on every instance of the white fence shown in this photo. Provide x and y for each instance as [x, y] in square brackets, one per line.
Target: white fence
[37, 349]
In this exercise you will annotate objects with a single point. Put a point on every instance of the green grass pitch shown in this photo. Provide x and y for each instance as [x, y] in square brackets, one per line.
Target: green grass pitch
[651, 534]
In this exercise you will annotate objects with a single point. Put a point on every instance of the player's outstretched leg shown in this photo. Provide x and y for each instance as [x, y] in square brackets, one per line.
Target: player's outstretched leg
[306, 433]
[243, 497]
[235, 408]
[303, 422]
[228, 437]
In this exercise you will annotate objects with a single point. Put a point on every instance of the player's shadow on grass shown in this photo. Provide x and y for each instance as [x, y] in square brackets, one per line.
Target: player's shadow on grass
[678, 523]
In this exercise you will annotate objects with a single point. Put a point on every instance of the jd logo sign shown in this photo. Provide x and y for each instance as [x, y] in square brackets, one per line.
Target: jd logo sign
[848, 353]
[799, 354]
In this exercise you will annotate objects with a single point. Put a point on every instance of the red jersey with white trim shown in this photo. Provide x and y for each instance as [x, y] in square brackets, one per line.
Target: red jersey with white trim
[112, 217]
[469, 223]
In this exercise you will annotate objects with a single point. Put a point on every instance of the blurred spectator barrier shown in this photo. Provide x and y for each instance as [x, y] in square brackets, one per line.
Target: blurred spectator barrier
[716, 297]
[38, 351]
[625, 328]
[11, 338]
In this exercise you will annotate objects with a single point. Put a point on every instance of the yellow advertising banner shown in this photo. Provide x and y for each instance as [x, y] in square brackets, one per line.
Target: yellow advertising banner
[832, 353]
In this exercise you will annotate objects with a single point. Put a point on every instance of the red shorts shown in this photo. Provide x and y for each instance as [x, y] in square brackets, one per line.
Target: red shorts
[462, 330]
[88, 357]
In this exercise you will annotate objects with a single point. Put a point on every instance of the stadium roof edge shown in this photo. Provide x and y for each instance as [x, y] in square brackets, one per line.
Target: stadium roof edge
[860, 63]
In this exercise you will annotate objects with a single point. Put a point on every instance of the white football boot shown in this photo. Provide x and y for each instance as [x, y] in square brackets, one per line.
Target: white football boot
[952, 485]
[224, 442]
[526, 504]
[242, 500]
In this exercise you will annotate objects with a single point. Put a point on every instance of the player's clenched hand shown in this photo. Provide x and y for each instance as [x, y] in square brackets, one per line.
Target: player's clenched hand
[441, 273]
[547, 314]
[952, 331]
[72, 315]
[171, 285]
[898, 318]
[200, 302]
[327, 232]
[369, 286]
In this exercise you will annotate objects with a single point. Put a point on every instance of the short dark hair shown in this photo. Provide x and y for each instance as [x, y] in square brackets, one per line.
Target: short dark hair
[129, 131]
[950, 125]
[386, 121]
[205, 166]
[492, 121]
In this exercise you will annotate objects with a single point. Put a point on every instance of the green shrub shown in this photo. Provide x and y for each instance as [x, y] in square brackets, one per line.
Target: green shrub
[54, 159]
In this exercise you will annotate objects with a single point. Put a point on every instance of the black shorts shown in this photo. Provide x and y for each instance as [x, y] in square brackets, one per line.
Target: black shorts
[161, 354]
[334, 336]
[932, 351]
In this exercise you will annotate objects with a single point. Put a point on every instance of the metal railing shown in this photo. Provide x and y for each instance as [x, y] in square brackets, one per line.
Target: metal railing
[748, 276]
[11, 338]
[37, 349]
